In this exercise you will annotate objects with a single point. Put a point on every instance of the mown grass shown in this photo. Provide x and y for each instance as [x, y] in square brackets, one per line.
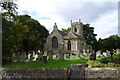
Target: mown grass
[50, 64]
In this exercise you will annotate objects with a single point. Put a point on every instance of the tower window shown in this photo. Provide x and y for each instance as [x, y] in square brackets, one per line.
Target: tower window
[69, 45]
[75, 30]
[54, 42]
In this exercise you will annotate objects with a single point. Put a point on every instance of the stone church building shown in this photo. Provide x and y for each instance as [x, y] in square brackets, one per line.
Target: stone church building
[73, 42]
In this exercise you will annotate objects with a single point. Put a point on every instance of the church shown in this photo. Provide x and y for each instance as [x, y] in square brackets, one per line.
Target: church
[72, 42]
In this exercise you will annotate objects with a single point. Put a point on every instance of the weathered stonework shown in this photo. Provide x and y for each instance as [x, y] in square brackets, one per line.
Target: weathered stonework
[105, 72]
[72, 42]
[76, 71]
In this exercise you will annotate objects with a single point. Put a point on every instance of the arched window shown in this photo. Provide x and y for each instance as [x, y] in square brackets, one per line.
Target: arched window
[75, 30]
[69, 45]
[54, 42]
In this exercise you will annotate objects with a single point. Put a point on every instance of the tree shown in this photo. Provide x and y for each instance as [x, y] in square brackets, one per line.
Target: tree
[9, 9]
[112, 42]
[66, 30]
[89, 36]
[36, 33]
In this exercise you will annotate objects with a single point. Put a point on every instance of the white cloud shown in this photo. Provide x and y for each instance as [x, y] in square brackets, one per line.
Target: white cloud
[107, 24]
[98, 14]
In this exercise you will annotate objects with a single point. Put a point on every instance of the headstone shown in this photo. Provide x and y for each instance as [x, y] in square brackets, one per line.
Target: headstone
[35, 58]
[17, 56]
[44, 59]
[84, 53]
[57, 56]
[68, 56]
[118, 51]
[33, 53]
[31, 57]
[40, 56]
[99, 54]
[50, 54]
[23, 57]
[92, 56]
[61, 55]
[107, 53]
[88, 51]
[81, 56]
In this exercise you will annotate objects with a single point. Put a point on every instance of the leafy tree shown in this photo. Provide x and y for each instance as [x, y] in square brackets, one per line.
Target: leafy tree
[66, 30]
[112, 42]
[36, 33]
[90, 37]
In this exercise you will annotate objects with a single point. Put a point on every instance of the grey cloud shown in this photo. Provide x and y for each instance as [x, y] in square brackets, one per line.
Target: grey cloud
[87, 11]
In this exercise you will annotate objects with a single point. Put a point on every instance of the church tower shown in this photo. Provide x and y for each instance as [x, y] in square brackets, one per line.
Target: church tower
[77, 28]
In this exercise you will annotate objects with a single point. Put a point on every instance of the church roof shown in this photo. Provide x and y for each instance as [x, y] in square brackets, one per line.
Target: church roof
[72, 35]
[62, 33]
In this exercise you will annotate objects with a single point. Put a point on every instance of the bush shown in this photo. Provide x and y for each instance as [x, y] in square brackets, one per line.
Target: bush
[95, 64]
[105, 60]
[114, 59]
[99, 64]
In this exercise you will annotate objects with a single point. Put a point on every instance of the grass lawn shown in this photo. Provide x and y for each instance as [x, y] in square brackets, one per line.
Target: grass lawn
[50, 64]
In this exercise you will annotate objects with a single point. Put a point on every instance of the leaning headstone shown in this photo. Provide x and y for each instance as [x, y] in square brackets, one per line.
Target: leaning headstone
[40, 56]
[92, 56]
[23, 57]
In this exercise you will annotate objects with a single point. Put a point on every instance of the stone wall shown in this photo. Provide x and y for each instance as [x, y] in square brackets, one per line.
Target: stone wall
[76, 71]
[34, 73]
[104, 72]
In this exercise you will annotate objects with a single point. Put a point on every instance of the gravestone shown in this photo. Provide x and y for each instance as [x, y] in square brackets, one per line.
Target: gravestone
[61, 55]
[40, 56]
[30, 57]
[57, 56]
[106, 54]
[92, 56]
[23, 57]
[118, 51]
[99, 54]
[50, 55]
[44, 59]
[68, 56]
[84, 53]
[35, 58]
[17, 56]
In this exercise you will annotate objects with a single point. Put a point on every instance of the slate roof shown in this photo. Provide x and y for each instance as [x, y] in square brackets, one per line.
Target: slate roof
[72, 35]
[62, 33]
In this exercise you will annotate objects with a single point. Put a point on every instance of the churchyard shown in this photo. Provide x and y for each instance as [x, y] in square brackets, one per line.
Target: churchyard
[40, 61]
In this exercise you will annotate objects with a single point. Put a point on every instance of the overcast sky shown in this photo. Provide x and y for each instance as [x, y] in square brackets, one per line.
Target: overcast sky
[102, 15]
